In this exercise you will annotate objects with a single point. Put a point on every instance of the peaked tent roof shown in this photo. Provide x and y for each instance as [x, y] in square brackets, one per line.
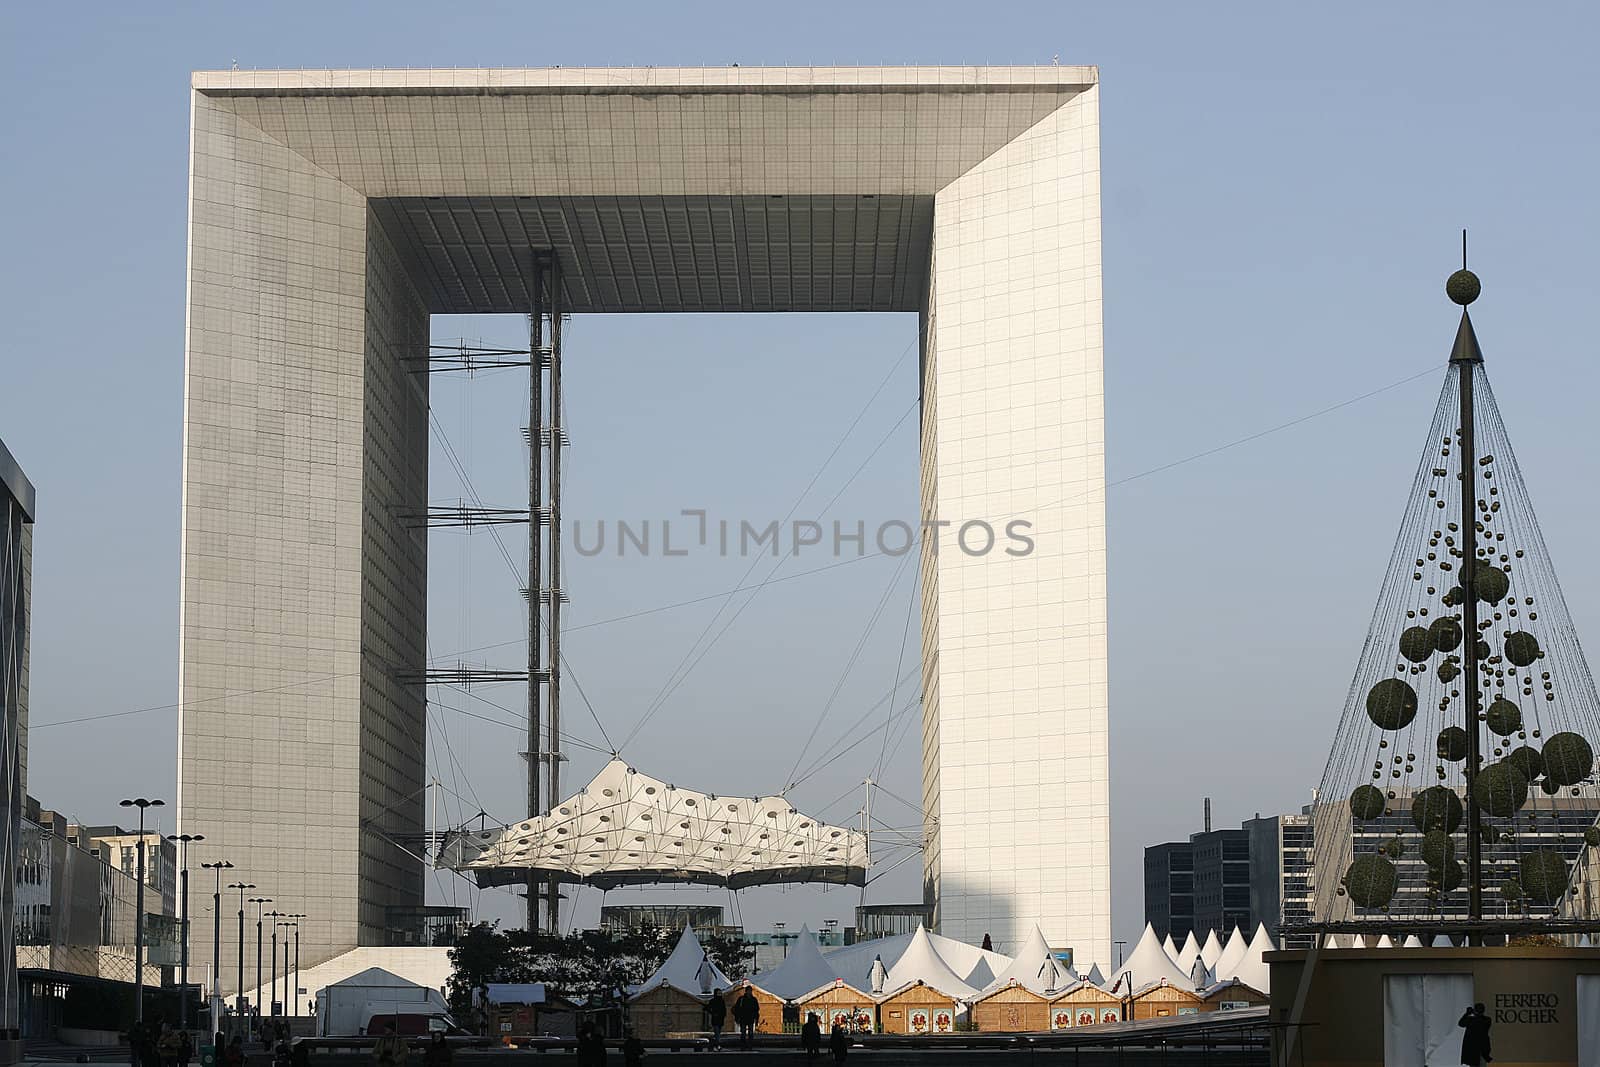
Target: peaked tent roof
[1189, 952]
[1211, 951]
[802, 970]
[1149, 964]
[1411, 941]
[921, 962]
[681, 969]
[1169, 948]
[626, 828]
[1232, 953]
[1094, 977]
[1034, 966]
[981, 975]
[1253, 970]
[853, 963]
[377, 976]
[1384, 941]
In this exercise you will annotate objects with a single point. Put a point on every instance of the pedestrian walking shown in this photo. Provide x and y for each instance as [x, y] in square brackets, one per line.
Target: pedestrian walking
[746, 1011]
[717, 1016]
[811, 1036]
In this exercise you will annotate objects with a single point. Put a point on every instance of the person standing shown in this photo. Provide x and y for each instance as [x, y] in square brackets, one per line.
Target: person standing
[811, 1037]
[717, 1016]
[632, 1050]
[439, 1053]
[746, 1010]
[839, 1042]
[390, 1050]
[1475, 1042]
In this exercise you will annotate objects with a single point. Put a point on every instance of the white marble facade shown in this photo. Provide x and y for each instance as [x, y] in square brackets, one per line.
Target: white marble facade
[332, 212]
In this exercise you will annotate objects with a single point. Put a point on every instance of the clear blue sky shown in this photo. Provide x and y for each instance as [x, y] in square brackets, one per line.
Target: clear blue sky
[1283, 190]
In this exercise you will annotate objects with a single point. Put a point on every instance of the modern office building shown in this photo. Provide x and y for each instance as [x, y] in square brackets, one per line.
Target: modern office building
[1218, 879]
[331, 213]
[1169, 889]
[75, 909]
[1281, 851]
[120, 849]
[17, 505]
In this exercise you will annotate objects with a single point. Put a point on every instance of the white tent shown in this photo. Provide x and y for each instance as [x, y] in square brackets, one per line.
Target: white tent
[802, 971]
[1211, 951]
[853, 963]
[1035, 967]
[1094, 977]
[687, 968]
[980, 976]
[1385, 942]
[1149, 963]
[1189, 952]
[1411, 941]
[1252, 970]
[1169, 948]
[1232, 953]
[626, 828]
[921, 962]
[1442, 941]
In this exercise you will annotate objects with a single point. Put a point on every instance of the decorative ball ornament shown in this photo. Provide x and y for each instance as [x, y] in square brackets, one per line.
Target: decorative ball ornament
[1522, 648]
[1416, 643]
[1550, 788]
[1463, 287]
[1446, 633]
[1448, 671]
[1511, 889]
[1490, 583]
[1591, 836]
[1543, 874]
[1436, 808]
[1527, 760]
[1371, 881]
[1392, 704]
[1500, 789]
[1450, 876]
[1504, 718]
[1438, 848]
[1568, 758]
[1452, 744]
[1367, 802]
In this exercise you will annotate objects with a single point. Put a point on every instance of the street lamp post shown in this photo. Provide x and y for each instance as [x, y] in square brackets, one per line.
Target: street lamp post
[297, 916]
[216, 941]
[284, 1004]
[182, 841]
[143, 804]
[258, 902]
[238, 997]
[272, 973]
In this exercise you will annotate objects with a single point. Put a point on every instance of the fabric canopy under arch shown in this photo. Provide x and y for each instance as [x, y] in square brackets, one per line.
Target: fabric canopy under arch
[627, 828]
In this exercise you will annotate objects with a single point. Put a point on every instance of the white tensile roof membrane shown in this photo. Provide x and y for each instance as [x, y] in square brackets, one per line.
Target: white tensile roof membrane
[626, 828]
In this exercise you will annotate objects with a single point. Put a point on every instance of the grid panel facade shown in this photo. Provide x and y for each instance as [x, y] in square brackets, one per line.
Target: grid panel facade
[300, 436]
[1019, 756]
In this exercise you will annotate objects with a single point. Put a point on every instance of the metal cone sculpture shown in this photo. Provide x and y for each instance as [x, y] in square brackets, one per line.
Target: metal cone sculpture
[1462, 779]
